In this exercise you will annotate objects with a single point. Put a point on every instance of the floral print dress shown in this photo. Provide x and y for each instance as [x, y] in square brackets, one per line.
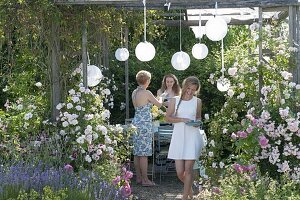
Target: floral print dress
[142, 138]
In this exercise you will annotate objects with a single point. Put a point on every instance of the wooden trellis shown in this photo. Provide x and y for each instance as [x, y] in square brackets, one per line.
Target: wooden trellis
[288, 8]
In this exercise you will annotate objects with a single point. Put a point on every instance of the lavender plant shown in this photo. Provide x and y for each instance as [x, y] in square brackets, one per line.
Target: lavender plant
[26, 177]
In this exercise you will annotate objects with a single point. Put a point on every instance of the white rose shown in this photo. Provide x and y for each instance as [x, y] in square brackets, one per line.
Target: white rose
[230, 92]
[88, 158]
[232, 71]
[38, 84]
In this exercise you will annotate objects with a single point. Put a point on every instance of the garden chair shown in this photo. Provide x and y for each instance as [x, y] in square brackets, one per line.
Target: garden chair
[163, 139]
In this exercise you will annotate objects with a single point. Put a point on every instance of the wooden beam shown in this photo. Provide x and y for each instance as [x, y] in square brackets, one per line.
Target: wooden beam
[294, 40]
[55, 69]
[203, 22]
[126, 76]
[260, 56]
[183, 4]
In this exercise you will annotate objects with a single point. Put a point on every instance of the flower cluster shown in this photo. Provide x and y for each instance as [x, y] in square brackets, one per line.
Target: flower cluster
[24, 176]
[123, 182]
[157, 114]
[259, 122]
[83, 127]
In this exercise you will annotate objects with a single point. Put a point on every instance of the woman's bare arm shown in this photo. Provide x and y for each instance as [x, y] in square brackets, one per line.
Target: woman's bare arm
[199, 109]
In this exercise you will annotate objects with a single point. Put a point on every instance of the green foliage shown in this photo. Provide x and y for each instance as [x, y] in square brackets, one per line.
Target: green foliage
[47, 194]
[242, 186]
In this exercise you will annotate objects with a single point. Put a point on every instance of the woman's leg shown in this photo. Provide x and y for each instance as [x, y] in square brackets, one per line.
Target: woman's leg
[144, 170]
[179, 164]
[188, 178]
[137, 169]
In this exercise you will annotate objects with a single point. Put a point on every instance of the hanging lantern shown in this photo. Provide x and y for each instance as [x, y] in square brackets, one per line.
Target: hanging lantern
[198, 31]
[94, 75]
[180, 60]
[145, 51]
[223, 84]
[122, 54]
[200, 51]
[216, 28]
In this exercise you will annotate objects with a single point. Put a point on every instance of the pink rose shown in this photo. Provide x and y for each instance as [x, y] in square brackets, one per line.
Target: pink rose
[263, 141]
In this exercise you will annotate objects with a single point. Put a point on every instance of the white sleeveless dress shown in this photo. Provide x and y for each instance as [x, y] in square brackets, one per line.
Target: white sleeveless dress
[186, 142]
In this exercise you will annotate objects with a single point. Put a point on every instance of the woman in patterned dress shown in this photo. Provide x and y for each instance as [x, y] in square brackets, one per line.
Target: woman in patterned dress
[142, 100]
[187, 141]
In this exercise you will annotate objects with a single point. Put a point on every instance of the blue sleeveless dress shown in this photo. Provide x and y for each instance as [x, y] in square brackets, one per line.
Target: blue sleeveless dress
[142, 138]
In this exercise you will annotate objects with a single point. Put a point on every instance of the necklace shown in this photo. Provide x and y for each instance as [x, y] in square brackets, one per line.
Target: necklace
[140, 87]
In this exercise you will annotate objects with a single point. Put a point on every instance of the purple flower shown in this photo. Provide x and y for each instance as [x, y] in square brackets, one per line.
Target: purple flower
[68, 167]
[116, 180]
[238, 168]
[128, 175]
[242, 134]
[249, 129]
[126, 190]
[263, 142]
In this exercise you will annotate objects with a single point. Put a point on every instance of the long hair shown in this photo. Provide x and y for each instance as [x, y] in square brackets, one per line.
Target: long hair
[191, 80]
[175, 88]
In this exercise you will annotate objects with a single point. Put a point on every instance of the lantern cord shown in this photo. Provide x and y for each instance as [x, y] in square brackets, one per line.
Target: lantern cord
[180, 30]
[222, 52]
[88, 57]
[216, 9]
[200, 27]
[144, 2]
[121, 36]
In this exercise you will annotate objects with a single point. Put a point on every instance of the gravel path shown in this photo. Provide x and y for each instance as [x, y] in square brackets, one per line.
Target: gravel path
[170, 188]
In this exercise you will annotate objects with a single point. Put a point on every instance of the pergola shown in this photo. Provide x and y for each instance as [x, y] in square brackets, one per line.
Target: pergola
[240, 12]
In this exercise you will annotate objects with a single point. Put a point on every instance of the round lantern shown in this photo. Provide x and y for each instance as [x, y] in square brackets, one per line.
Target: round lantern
[94, 75]
[122, 54]
[145, 51]
[223, 84]
[216, 28]
[200, 51]
[180, 60]
[198, 32]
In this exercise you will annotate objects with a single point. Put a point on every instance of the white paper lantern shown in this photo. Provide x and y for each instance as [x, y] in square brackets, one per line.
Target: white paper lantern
[198, 32]
[94, 75]
[122, 54]
[180, 60]
[216, 28]
[145, 51]
[223, 84]
[200, 51]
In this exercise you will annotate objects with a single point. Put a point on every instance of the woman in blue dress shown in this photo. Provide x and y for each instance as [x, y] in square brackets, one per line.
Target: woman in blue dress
[143, 100]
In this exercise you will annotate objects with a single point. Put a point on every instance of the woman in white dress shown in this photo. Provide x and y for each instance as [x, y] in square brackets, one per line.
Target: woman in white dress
[187, 142]
[169, 87]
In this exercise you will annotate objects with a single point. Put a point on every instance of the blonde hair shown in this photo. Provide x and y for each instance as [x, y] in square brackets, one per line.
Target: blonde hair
[191, 80]
[142, 77]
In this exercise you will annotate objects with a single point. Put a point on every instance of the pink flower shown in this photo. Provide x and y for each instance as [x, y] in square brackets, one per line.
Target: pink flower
[126, 190]
[263, 141]
[233, 136]
[254, 122]
[249, 129]
[68, 167]
[116, 180]
[238, 168]
[216, 190]
[242, 134]
[128, 175]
